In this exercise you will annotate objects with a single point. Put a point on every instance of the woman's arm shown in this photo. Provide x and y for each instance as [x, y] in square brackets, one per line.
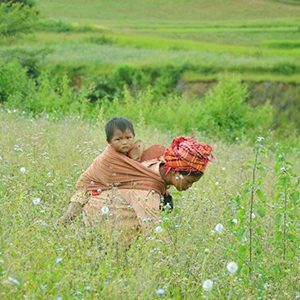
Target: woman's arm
[78, 200]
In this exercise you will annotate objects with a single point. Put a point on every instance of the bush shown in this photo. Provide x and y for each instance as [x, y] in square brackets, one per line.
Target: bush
[163, 81]
[31, 60]
[226, 112]
[16, 19]
[29, 3]
[47, 93]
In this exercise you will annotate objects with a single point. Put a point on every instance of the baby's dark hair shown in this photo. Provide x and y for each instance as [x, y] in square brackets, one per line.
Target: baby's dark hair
[117, 123]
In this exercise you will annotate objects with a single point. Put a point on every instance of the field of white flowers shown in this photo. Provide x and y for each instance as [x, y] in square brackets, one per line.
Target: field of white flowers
[234, 235]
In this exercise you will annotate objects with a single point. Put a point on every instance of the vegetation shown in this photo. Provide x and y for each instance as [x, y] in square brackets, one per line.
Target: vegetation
[42, 159]
[16, 18]
[64, 73]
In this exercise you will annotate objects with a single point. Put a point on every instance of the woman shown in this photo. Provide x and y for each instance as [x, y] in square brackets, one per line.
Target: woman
[119, 189]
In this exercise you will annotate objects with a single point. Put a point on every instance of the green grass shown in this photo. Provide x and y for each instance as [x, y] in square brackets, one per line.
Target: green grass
[131, 11]
[98, 52]
[225, 36]
[41, 261]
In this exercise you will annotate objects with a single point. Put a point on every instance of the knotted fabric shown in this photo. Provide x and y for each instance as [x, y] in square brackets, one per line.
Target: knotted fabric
[187, 155]
[113, 169]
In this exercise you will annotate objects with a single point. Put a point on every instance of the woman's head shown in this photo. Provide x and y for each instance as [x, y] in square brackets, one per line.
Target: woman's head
[183, 180]
[120, 134]
[186, 161]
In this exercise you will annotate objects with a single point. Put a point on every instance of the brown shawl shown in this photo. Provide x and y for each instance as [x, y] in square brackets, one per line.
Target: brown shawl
[112, 169]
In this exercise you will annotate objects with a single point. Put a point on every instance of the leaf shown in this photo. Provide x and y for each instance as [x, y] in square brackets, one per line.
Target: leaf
[291, 237]
[240, 233]
[278, 236]
[294, 196]
[258, 231]
[261, 212]
[242, 250]
[278, 218]
[261, 195]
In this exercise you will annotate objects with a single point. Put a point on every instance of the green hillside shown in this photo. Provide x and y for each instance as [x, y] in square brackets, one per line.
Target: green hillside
[102, 11]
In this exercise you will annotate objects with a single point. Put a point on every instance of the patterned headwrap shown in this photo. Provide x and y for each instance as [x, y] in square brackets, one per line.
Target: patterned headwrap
[187, 155]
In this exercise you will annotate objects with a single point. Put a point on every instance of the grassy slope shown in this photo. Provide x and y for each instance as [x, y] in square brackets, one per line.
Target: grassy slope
[228, 35]
[156, 11]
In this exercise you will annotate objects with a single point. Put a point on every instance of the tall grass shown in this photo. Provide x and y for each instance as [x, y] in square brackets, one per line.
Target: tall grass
[40, 161]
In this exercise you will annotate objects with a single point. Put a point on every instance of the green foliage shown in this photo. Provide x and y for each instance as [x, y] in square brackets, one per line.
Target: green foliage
[58, 26]
[15, 84]
[226, 112]
[47, 93]
[286, 205]
[16, 19]
[162, 79]
[29, 3]
[223, 113]
[30, 60]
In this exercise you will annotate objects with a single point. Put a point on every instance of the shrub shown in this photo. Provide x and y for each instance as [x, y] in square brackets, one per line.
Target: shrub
[14, 83]
[29, 3]
[47, 93]
[16, 19]
[31, 60]
[226, 112]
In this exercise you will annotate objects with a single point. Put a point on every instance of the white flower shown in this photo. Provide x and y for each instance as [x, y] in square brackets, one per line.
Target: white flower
[235, 221]
[260, 139]
[105, 210]
[158, 229]
[160, 292]
[206, 250]
[283, 169]
[217, 183]
[223, 168]
[59, 259]
[219, 228]
[207, 285]
[36, 201]
[232, 267]
[17, 148]
[22, 170]
[253, 215]
[13, 280]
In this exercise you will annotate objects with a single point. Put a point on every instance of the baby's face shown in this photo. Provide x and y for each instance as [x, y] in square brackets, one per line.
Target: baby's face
[122, 141]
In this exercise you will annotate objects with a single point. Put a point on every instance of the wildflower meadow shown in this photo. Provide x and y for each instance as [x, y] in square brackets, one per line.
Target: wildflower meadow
[233, 235]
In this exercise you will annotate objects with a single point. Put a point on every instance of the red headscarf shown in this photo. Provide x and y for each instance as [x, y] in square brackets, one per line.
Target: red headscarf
[187, 155]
